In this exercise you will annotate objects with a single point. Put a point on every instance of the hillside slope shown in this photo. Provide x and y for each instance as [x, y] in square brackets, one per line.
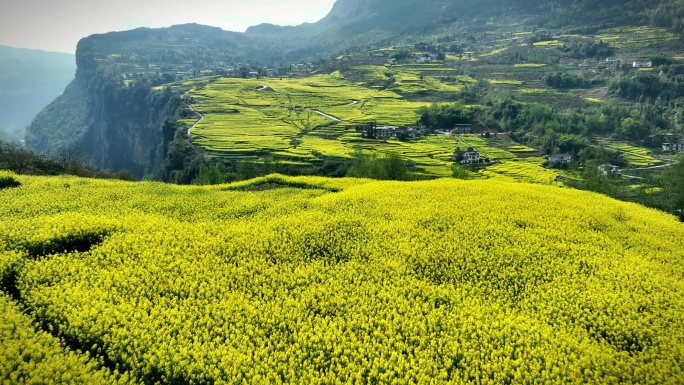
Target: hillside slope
[313, 280]
[383, 21]
[29, 81]
[109, 64]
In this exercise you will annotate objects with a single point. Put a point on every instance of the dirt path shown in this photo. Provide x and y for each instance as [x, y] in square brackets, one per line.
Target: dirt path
[364, 104]
[323, 114]
[292, 107]
[200, 117]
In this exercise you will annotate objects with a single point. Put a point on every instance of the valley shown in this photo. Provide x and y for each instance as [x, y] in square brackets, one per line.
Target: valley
[404, 192]
[302, 118]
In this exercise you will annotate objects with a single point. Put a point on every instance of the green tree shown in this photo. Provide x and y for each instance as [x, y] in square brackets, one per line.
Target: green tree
[671, 181]
[391, 167]
[215, 173]
[632, 129]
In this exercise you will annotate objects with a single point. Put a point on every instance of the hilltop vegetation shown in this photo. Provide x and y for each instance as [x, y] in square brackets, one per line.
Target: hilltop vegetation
[314, 280]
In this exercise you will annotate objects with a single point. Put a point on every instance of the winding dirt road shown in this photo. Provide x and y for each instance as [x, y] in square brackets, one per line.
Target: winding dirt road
[199, 116]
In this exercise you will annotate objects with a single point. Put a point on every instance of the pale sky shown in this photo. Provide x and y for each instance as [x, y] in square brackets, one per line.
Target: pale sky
[57, 25]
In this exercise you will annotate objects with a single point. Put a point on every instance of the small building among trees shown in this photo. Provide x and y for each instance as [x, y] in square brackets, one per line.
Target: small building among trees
[461, 129]
[673, 147]
[642, 64]
[375, 131]
[609, 171]
[559, 160]
[470, 156]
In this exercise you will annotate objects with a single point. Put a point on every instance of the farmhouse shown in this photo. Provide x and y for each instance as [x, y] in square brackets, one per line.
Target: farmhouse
[467, 157]
[559, 160]
[673, 147]
[384, 132]
[373, 131]
[642, 64]
[609, 171]
[253, 74]
[611, 60]
[461, 129]
[661, 139]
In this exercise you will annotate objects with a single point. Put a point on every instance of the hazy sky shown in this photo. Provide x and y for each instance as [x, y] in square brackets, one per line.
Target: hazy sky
[57, 25]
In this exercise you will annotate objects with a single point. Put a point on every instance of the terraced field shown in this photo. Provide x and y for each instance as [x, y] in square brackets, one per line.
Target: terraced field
[306, 119]
[302, 121]
[635, 156]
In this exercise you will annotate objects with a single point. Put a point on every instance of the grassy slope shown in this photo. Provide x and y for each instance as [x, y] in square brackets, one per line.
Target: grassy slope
[269, 121]
[242, 121]
[352, 280]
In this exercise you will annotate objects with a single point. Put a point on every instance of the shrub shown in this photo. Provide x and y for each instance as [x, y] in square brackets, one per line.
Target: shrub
[7, 181]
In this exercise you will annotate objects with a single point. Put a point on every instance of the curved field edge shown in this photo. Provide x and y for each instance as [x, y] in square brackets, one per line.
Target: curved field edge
[28, 356]
[407, 282]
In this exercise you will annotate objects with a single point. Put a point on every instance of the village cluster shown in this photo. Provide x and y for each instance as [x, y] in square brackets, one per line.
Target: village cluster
[470, 156]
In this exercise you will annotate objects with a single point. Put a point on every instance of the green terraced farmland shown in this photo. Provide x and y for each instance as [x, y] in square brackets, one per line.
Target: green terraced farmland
[305, 120]
[636, 156]
[530, 170]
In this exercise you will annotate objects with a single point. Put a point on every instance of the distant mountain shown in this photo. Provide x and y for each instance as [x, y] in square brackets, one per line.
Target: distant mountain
[29, 81]
[369, 21]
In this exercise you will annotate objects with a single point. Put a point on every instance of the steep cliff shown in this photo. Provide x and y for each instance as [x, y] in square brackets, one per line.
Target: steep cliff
[117, 126]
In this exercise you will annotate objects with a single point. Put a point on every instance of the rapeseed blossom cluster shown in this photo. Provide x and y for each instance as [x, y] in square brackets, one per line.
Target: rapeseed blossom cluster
[327, 281]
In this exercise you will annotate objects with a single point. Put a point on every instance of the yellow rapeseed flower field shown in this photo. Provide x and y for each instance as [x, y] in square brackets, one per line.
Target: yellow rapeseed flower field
[331, 281]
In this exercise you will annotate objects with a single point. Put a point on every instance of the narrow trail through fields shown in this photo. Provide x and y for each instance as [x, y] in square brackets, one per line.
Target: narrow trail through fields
[665, 164]
[264, 87]
[364, 104]
[323, 114]
[199, 116]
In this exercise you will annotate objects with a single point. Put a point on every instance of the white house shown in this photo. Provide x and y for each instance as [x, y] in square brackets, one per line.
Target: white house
[559, 159]
[471, 156]
[673, 147]
[384, 132]
[609, 171]
[461, 129]
[642, 64]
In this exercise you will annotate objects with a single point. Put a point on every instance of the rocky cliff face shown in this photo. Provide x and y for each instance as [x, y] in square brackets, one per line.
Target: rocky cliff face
[116, 126]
